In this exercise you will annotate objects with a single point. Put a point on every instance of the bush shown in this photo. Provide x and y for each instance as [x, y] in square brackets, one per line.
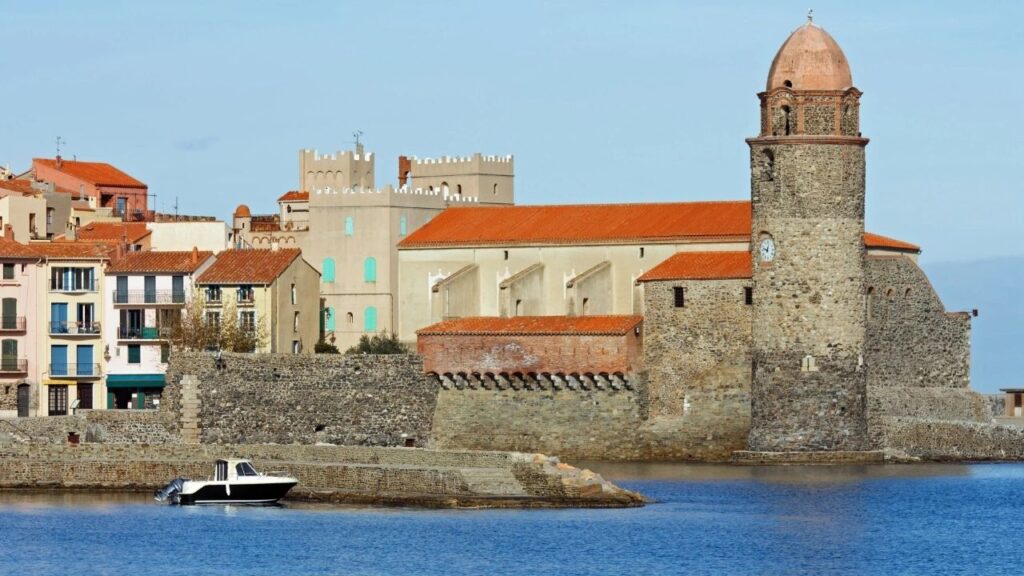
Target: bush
[378, 344]
[325, 348]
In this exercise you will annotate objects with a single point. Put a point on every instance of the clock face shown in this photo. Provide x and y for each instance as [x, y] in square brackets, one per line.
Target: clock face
[767, 250]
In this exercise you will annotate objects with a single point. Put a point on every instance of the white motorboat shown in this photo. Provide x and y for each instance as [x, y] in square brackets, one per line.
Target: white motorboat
[234, 481]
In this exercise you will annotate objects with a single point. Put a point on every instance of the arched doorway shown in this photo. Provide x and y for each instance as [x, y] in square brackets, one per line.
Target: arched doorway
[23, 400]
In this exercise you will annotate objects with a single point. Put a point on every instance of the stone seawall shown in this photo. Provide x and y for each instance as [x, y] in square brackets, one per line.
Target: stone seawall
[113, 426]
[358, 400]
[394, 476]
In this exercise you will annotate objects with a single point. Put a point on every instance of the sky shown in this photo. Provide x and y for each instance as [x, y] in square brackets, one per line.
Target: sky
[209, 102]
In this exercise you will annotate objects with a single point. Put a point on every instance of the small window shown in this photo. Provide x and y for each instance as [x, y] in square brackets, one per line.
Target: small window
[403, 226]
[295, 295]
[8, 271]
[748, 295]
[641, 251]
[350, 318]
[350, 226]
[49, 216]
[678, 297]
[370, 269]
[295, 322]
[134, 354]
[788, 83]
[506, 254]
[495, 190]
[586, 307]
[296, 347]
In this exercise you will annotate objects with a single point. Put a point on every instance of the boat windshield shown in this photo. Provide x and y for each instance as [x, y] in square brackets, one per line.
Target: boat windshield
[245, 469]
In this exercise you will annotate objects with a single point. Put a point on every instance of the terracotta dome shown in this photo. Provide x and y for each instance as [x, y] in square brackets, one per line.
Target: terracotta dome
[810, 59]
[242, 211]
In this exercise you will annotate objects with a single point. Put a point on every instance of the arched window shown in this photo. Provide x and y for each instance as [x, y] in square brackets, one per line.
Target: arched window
[495, 190]
[458, 189]
[350, 318]
[767, 165]
[786, 118]
[444, 187]
[328, 270]
[350, 226]
[329, 321]
[370, 269]
[370, 319]
[403, 226]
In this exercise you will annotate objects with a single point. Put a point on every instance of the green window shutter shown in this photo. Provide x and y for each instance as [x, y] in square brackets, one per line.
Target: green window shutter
[370, 319]
[134, 354]
[330, 319]
[403, 226]
[350, 226]
[370, 269]
[328, 270]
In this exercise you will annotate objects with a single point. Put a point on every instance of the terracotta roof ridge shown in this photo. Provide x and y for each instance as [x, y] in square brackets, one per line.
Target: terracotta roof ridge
[602, 204]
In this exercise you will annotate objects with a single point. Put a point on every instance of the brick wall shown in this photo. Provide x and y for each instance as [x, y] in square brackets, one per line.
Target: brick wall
[450, 353]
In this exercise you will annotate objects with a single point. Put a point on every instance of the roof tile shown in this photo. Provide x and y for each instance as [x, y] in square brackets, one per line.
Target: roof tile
[179, 262]
[294, 196]
[248, 266]
[96, 173]
[701, 266]
[131, 232]
[535, 325]
[879, 241]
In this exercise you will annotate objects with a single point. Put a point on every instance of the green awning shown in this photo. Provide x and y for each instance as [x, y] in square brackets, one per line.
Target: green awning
[135, 381]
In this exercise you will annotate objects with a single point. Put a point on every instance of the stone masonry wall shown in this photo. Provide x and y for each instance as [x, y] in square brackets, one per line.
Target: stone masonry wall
[809, 386]
[100, 426]
[282, 398]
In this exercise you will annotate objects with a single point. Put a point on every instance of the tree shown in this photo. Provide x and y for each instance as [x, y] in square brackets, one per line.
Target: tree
[200, 329]
[322, 347]
[378, 344]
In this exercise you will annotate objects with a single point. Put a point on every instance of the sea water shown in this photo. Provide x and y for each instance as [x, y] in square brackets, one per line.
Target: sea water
[894, 519]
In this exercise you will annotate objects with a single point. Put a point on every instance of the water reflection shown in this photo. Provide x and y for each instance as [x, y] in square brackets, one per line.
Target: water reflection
[793, 475]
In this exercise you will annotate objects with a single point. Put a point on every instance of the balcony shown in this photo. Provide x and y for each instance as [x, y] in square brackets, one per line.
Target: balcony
[75, 370]
[13, 366]
[154, 297]
[143, 332]
[66, 328]
[12, 323]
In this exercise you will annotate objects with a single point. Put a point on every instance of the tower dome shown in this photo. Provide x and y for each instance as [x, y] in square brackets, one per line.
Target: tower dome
[810, 59]
[242, 211]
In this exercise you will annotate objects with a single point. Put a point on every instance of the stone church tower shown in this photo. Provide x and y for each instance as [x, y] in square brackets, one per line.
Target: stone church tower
[807, 192]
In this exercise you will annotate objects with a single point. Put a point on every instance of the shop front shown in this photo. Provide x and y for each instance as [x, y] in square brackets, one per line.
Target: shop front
[134, 391]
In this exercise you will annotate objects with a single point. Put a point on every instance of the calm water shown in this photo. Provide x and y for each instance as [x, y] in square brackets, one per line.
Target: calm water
[927, 519]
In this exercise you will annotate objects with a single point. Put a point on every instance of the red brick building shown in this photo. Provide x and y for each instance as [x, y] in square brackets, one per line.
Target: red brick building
[110, 187]
[581, 349]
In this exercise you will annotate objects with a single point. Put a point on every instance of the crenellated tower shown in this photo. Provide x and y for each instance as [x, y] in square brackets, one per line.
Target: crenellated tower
[807, 192]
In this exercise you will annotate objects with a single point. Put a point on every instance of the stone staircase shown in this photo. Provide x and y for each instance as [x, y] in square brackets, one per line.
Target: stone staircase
[190, 432]
[492, 481]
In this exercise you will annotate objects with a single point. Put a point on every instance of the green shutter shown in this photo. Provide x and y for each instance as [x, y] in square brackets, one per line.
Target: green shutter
[370, 269]
[350, 226]
[370, 319]
[134, 354]
[330, 319]
[328, 270]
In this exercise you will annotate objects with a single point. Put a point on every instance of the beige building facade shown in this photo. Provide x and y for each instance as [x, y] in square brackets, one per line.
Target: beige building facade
[348, 228]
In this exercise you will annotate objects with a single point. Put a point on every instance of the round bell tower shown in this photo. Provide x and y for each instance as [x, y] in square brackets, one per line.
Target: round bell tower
[807, 196]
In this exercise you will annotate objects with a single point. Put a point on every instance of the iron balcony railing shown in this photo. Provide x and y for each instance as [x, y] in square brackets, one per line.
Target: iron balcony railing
[75, 369]
[143, 332]
[74, 328]
[12, 323]
[13, 365]
[148, 297]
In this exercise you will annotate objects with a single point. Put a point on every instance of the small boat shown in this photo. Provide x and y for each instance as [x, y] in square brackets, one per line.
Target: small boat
[234, 481]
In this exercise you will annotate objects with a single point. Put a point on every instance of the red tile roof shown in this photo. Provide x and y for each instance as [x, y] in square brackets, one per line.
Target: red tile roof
[14, 249]
[582, 224]
[18, 186]
[294, 196]
[184, 262]
[131, 232]
[701, 266]
[248, 266]
[535, 325]
[879, 241]
[96, 173]
[74, 250]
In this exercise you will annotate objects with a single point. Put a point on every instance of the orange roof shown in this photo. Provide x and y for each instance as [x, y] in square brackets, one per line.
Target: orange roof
[184, 262]
[131, 232]
[96, 173]
[248, 266]
[14, 249]
[582, 224]
[701, 266]
[74, 250]
[242, 211]
[18, 186]
[294, 196]
[535, 325]
[879, 241]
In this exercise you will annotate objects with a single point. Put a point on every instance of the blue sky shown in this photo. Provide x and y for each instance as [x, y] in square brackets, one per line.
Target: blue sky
[209, 102]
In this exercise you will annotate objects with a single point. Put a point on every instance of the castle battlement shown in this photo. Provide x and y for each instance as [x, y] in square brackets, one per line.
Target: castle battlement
[444, 195]
[339, 155]
[507, 159]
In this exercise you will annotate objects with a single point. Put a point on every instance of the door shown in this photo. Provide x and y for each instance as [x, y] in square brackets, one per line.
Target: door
[131, 323]
[86, 319]
[150, 289]
[122, 290]
[84, 360]
[10, 314]
[23, 396]
[59, 360]
[58, 396]
[9, 356]
[122, 206]
[58, 318]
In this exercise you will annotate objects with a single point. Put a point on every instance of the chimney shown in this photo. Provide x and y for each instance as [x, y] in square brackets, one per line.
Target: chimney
[275, 245]
[404, 168]
[8, 232]
[60, 162]
[195, 256]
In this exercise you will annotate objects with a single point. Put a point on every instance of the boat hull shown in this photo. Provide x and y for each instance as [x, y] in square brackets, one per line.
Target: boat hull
[248, 493]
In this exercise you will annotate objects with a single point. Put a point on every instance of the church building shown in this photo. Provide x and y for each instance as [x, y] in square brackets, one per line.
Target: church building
[772, 325]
